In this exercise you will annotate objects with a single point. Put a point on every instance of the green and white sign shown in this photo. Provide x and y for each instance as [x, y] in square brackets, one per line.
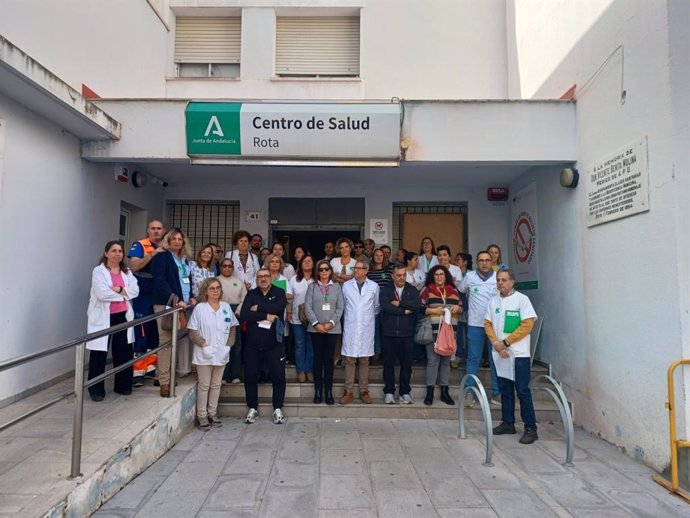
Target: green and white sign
[340, 131]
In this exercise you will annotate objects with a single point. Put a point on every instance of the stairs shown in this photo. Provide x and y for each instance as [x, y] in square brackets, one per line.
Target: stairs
[298, 398]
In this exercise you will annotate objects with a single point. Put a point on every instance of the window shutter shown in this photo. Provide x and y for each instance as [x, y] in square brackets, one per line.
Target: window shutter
[317, 46]
[207, 40]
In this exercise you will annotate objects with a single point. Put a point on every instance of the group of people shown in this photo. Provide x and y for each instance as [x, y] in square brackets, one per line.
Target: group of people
[354, 305]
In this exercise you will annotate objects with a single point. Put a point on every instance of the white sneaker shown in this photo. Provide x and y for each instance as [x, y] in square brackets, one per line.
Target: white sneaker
[235, 381]
[406, 399]
[278, 417]
[495, 401]
[470, 400]
[252, 416]
[389, 399]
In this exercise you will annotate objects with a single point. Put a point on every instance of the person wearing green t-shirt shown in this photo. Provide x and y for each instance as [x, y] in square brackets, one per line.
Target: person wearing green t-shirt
[508, 323]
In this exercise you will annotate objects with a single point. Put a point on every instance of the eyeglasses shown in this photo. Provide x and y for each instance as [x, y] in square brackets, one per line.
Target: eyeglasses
[324, 269]
[263, 276]
[360, 268]
[227, 266]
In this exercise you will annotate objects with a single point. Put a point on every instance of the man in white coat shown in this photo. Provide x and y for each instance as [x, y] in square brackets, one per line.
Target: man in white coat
[361, 297]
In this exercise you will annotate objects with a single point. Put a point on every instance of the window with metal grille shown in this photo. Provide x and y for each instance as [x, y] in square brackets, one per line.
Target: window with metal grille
[208, 46]
[205, 222]
[400, 209]
[317, 46]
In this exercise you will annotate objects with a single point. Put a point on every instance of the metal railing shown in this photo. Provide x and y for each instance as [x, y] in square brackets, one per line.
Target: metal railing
[676, 444]
[80, 385]
[480, 394]
[552, 387]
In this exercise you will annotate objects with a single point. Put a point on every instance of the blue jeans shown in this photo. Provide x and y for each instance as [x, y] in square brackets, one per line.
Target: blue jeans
[304, 351]
[461, 340]
[521, 385]
[476, 343]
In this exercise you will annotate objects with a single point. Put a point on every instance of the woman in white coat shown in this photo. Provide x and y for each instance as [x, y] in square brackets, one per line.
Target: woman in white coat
[212, 330]
[113, 286]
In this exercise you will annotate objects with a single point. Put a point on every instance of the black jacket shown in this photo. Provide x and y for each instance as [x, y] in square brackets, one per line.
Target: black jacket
[394, 321]
[273, 302]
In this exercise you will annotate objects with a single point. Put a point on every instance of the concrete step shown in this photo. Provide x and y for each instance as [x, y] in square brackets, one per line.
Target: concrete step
[546, 411]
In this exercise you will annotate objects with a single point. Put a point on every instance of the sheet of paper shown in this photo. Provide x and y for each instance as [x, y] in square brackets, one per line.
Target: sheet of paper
[505, 367]
[264, 324]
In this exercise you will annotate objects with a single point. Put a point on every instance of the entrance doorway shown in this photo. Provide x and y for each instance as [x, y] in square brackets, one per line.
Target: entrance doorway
[311, 240]
[311, 222]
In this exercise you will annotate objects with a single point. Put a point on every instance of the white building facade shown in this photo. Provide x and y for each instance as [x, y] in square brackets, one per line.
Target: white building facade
[499, 93]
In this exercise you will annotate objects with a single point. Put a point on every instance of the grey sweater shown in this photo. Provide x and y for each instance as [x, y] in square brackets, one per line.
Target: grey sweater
[314, 302]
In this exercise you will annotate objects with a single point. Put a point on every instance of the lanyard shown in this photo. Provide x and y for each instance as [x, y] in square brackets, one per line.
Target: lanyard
[325, 293]
[443, 295]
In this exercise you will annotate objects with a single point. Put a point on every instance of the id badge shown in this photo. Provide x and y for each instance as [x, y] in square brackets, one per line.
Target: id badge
[185, 280]
[326, 306]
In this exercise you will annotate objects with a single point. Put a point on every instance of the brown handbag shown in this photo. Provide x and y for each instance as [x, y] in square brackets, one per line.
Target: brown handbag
[167, 320]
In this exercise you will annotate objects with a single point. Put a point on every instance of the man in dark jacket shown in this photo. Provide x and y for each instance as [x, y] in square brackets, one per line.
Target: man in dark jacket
[399, 305]
[263, 309]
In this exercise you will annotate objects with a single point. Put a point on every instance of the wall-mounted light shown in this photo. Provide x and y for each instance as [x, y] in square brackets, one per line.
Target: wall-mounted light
[139, 179]
[569, 177]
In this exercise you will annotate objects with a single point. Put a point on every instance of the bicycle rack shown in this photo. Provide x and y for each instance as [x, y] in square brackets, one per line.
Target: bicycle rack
[548, 384]
[480, 394]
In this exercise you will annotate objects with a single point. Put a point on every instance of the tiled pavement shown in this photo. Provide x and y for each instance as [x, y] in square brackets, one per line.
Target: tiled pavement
[387, 468]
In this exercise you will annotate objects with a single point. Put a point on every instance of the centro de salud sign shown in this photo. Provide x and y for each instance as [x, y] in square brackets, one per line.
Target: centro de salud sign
[342, 131]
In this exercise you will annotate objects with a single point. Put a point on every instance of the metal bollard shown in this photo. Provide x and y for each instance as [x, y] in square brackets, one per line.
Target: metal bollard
[75, 471]
[173, 353]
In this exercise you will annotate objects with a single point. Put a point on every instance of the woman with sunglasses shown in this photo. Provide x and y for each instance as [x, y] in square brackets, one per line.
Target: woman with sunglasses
[234, 291]
[324, 305]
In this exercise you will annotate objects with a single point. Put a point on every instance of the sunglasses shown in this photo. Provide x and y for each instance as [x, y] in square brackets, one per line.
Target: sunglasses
[324, 269]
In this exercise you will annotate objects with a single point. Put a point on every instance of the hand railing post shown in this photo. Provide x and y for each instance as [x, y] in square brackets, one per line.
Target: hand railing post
[173, 353]
[75, 471]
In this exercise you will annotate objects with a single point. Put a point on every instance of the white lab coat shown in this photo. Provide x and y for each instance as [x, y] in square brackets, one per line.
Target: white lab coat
[247, 275]
[360, 318]
[98, 313]
[215, 327]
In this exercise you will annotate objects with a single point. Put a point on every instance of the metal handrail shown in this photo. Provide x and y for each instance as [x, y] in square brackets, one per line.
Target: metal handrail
[676, 443]
[480, 394]
[80, 385]
[547, 384]
[19, 360]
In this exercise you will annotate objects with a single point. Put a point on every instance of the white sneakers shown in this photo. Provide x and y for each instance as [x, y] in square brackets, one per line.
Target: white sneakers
[405, 399]
[252, 416]
[470, 400]
[278, 417]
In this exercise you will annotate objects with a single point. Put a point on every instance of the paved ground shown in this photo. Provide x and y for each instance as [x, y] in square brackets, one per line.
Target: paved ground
[386, 467]
[35, 454]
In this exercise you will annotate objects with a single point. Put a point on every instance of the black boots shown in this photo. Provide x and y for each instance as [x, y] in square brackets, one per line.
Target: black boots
[429, 399]
[329, 397]
[317, 395]
[445, 395]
